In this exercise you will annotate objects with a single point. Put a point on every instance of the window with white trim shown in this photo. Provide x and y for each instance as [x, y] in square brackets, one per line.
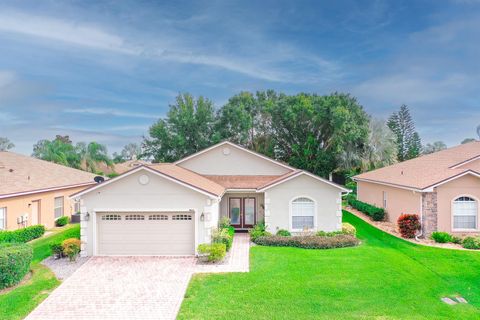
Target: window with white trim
[303, 214]
[76, 207]
[111, 217]
[58, 207]
[182, 217]
[134, 217]
[465, 210]
[158, 217]
[3, 218]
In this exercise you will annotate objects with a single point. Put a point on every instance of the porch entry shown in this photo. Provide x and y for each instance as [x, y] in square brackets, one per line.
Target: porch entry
[242, 212]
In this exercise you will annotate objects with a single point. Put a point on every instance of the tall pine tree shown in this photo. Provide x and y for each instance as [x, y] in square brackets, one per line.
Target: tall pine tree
[408, 140]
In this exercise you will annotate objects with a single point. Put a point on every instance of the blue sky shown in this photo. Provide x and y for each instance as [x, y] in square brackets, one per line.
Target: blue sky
[106, 70]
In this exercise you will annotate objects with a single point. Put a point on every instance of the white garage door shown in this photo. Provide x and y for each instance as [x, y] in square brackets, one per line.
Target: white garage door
[158, 233]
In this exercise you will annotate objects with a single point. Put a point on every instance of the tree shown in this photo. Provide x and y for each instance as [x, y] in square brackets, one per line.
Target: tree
[92, 155]
[434, 147]
[244, 120]
[468, 140]
[131, 151]
[188, 128]
[60, 150]
[319, 133]
[408, 140]
[381, 149]
[6, 144]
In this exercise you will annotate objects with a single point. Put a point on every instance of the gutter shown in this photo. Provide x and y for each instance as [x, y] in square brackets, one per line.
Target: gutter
[421, 219]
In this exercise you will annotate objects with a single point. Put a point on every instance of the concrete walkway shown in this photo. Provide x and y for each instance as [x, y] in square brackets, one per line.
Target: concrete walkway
[132, 287]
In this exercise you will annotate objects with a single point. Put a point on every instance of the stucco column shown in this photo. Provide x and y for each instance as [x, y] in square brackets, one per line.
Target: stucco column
[267, 212]
[83, 230]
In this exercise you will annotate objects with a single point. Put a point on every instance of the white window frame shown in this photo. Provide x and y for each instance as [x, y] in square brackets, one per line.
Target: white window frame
[3, 212]
[315, 213]
[454, 200]
[55, 207]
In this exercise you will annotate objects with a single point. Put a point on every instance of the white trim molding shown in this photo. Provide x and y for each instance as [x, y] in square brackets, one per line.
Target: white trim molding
[300, 173]
[23, 193]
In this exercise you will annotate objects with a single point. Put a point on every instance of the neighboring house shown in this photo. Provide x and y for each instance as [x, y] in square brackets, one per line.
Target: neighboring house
[123, 167]
[168, 209]
[442, 187]
[34, 191]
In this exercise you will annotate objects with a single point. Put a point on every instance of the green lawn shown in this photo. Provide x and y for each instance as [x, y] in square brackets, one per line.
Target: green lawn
[17, 303]
[383, 278]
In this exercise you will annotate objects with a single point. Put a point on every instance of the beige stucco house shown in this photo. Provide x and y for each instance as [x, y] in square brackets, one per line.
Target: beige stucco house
[168, 209]
[33, 191]
[443, 188]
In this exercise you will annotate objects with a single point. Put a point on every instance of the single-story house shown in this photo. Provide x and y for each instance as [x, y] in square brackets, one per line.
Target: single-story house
[171, 208]
[33, 191]
[443, 188]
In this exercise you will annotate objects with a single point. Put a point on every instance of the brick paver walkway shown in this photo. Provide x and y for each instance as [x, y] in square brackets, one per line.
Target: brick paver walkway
[132, 287]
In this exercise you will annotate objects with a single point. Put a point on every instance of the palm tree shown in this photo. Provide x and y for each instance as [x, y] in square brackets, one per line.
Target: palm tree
[92, 155]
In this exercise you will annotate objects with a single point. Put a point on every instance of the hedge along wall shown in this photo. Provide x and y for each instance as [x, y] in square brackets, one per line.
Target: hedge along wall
[22, 235]
[15, 261]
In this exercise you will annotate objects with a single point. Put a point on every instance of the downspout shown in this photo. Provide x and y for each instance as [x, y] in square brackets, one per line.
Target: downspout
[421, 218]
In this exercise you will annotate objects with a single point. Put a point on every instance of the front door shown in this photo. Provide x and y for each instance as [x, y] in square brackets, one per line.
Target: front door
[242, 212]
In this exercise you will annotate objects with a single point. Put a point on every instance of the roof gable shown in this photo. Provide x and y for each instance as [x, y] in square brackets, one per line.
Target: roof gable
[296, 174]
[170, 172]
[227, 158]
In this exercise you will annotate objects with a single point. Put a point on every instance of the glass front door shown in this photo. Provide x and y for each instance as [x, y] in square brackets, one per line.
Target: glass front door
[242, 212]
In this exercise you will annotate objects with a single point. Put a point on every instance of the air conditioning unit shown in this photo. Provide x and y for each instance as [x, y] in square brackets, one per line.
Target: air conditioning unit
[20, 219]
[25, 217]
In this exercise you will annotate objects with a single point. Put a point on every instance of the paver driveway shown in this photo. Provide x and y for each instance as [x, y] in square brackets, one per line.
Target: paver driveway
[120, 288]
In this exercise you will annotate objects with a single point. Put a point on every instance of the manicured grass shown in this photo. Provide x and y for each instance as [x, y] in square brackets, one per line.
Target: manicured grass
[383, 278]
[16, 304]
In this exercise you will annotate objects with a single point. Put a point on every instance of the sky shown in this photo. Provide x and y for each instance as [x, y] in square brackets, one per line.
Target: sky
[107, 70]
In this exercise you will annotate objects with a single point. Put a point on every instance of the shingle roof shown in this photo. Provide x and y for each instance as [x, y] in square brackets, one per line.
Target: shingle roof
[128, 165]
[241, 182]
[189, 177]
[428, 170]
[19, 173]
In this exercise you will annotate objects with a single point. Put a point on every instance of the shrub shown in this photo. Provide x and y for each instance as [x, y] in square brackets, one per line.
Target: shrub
[328, 233]
[283, 233]
[375, 213]
[259, 230]
[308, 242]
[57, 250]
[71, 248]
[223, 236]
[215, 251]
[408, 224]
[347, 228]
[15, 261]
[471, 243]
[60, 222]
[456, 240]
[224, 222]
[441, 237]
[22, 235]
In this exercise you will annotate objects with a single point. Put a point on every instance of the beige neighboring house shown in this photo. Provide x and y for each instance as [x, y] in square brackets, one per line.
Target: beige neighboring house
[442, 187]
[171, 208]
[129, 165]
[33, 191]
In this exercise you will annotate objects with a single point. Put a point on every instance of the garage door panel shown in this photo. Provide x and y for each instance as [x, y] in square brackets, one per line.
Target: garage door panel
[156, 234]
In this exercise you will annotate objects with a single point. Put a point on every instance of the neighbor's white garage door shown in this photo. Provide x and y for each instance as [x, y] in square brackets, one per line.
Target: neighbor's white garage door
[157, 233]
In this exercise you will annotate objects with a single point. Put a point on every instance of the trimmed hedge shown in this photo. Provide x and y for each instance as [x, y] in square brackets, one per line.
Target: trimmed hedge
[22, 235]
[377, 214]
[309, 242]
[15, 261]
[62, 221]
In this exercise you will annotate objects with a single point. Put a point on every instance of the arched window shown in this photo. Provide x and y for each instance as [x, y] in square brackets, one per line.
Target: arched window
[465, 210]
[303, 214]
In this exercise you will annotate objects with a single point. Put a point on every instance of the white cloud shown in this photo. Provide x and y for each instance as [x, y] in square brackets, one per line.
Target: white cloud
[112, 112]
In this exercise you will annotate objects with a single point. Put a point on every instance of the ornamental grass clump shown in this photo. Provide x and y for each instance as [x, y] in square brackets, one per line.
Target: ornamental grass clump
[408, 224]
